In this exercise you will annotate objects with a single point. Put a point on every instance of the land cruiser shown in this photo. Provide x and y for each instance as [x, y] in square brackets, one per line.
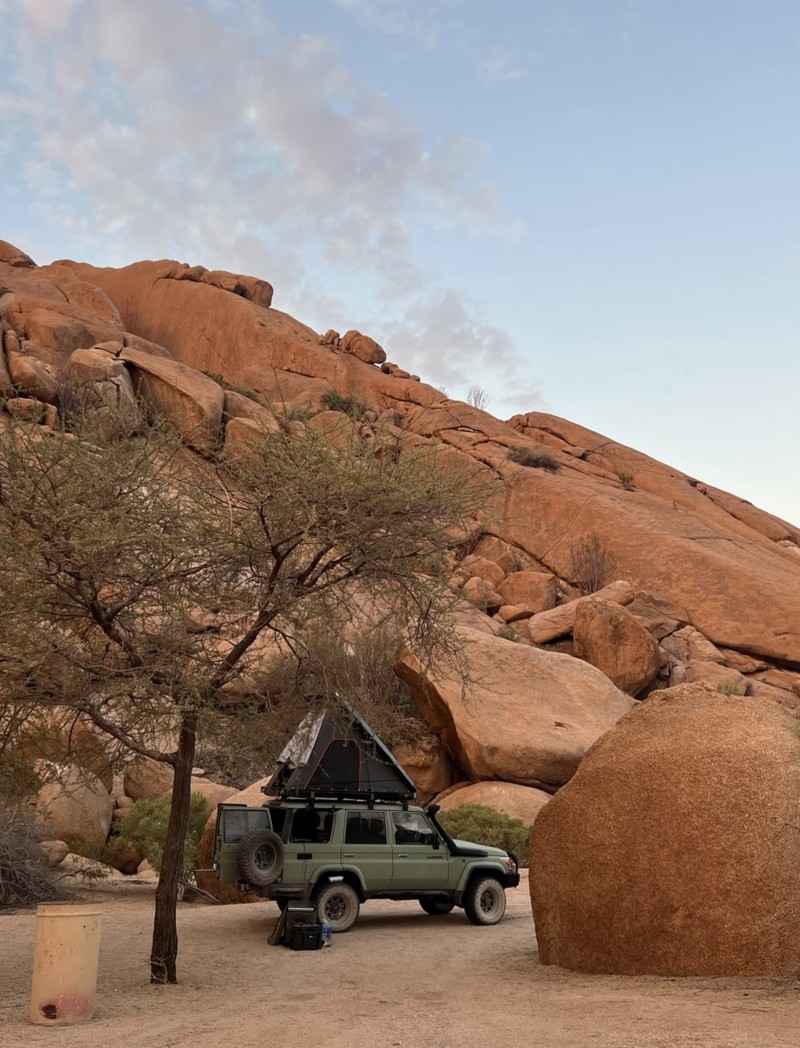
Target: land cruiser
[340, 828]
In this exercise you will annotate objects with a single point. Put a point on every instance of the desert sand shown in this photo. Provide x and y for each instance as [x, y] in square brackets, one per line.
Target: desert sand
[398, 978]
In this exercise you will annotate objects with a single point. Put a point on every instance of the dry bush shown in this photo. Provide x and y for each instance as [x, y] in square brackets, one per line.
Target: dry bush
[25, 880]
[591, 564]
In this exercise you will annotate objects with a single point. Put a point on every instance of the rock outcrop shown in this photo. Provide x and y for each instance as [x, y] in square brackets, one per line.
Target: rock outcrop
[675, 850]
[688, 583]
[523, 715]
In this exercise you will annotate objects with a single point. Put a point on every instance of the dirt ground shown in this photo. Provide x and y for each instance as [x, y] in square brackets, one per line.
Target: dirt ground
[398, 978]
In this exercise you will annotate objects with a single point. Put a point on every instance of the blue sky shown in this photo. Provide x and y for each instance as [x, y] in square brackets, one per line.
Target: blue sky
[587, 207]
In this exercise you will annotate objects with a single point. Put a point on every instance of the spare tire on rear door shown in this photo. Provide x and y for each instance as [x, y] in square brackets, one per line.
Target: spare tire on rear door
[259, 857]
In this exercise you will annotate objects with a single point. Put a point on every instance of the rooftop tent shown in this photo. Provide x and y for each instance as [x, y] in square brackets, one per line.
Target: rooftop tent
[338, 755]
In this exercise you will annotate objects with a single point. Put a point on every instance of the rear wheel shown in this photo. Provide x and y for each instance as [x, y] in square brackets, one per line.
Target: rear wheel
[259, 857]
[436, 907]
[338, 905]
[485, 900]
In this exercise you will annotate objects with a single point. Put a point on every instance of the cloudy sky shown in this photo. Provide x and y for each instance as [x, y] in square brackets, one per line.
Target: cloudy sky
[586, 207]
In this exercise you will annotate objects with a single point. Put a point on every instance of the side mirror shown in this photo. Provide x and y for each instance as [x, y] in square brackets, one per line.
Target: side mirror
[436, 844]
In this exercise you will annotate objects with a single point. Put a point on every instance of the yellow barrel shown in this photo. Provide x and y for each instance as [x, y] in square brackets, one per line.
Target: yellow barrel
[65, 963]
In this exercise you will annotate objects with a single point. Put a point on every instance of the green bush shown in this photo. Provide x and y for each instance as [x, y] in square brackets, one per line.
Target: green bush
[484, 825]
[333, 401]
[145, 826]
[539, 459]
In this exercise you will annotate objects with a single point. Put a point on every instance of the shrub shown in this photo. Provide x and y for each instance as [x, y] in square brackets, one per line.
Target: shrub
[24, 878]
[626, 480]
[507, 633]
[478, 398]
[539, 459]
[244, 391]
[729, 689]
[484, 825]
[145, 826]
[333, 401]
[591, 563]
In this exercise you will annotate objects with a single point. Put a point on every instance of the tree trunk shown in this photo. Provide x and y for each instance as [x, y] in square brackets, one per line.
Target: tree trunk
[164, 953]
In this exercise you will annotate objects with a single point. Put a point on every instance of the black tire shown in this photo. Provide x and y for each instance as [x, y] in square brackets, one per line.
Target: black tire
[338, 904]
[259, 858]
[485, 900]
[436, 907]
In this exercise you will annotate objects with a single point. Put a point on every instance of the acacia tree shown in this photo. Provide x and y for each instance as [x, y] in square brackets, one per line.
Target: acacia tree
[138, 582]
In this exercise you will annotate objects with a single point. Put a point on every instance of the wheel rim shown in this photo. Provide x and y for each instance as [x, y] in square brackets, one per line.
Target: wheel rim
[488, 901]
[263, 857]
[336, 908]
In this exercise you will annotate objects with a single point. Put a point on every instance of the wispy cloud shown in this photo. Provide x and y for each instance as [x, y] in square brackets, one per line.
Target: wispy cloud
[207, 132]
[423, 22]
[498, 64]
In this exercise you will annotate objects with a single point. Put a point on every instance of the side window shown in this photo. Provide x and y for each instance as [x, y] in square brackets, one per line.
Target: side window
[240, 822]
[367, 827]
[309, 824]
[412, 828]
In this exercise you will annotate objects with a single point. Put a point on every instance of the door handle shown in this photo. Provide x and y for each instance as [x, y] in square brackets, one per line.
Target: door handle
[402, 855]
[349, 855]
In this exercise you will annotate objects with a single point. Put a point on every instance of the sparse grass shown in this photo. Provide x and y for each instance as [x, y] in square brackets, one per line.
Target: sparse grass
[507, 633]
[730, 689]
[591, 564]
[333, 401]
[235, 388]
[535, 459]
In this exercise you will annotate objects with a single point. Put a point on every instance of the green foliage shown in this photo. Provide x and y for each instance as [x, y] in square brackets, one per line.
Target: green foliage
[507, 633]
[333, 401]
[144, 824]
[481, 824]
[626, 480]
[539, 459]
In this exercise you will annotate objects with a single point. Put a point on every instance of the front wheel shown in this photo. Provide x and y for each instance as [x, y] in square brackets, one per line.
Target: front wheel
[485, 901]
[436, 907]
[338, 904]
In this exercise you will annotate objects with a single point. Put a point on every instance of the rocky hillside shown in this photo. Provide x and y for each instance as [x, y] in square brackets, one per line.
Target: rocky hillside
[694, 583]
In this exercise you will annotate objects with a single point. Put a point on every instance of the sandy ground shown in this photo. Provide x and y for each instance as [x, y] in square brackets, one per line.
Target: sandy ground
[398, 978]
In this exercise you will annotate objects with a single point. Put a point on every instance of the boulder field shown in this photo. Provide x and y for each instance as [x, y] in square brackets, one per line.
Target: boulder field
[599, 577]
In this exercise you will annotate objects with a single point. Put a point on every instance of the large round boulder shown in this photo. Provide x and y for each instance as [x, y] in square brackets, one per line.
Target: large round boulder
[76, 808]
[675, 849]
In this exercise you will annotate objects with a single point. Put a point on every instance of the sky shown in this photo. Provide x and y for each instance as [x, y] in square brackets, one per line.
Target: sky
[584, 207]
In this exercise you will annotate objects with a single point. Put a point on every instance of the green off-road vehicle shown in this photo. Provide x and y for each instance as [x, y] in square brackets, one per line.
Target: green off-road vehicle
[340, 829]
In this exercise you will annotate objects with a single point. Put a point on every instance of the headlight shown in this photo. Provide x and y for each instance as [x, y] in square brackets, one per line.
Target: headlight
[509, 862]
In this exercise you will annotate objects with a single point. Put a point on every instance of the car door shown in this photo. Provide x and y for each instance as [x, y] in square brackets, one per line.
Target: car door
[420, 861]
[235, 821]
[365, 848]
